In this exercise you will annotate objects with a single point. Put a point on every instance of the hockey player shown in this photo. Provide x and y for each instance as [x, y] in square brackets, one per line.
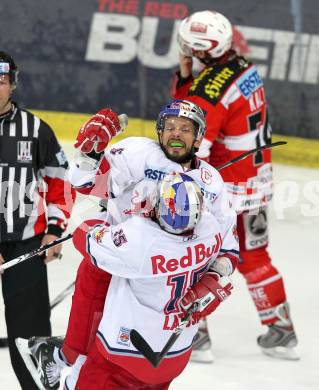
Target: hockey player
[148, 284]
[180, 126]
[231, 92]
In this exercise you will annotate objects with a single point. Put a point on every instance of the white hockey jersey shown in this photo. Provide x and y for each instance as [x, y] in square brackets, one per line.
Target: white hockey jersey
[151, 271]
[129, 173]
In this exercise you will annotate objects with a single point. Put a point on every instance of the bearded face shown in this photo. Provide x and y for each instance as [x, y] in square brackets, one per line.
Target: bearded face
[177, 139]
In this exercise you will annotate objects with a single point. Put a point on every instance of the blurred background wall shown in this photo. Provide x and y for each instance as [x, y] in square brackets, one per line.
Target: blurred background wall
[77, 56]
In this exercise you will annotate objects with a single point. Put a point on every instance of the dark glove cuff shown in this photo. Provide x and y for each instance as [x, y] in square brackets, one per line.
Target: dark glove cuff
[182, 80]
[94, 155]
[55, 230]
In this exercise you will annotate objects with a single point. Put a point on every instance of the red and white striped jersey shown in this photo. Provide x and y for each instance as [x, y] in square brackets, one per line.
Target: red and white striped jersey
[233, 97]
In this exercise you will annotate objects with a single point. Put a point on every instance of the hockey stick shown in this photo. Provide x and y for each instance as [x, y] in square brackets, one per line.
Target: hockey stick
[252, 151]
[63, 294]
[33, 253]
[3, 342]
[156, 357]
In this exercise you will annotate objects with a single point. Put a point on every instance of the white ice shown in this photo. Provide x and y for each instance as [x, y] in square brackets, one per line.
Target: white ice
[239, 364]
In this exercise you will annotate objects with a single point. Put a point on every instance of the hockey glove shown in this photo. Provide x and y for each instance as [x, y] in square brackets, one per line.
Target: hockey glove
[206, 295]
[98, 131]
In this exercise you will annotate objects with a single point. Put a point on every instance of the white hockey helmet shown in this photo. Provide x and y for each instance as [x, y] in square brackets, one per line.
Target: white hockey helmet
[205, 30]
[185, 109]
[179, 204]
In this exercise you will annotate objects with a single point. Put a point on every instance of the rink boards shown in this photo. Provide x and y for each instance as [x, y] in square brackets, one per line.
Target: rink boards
[298, 151]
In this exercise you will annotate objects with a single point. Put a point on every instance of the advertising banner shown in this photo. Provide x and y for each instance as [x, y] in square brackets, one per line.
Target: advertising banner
[79, 56]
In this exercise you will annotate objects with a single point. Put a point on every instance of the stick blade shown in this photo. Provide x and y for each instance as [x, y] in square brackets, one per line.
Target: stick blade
[3, 342]
[142, 346]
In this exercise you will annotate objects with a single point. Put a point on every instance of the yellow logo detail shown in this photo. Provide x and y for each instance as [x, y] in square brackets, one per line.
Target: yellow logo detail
[214, 85]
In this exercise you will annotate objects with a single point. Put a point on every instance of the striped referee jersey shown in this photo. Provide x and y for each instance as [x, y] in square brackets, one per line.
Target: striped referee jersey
[34, 194]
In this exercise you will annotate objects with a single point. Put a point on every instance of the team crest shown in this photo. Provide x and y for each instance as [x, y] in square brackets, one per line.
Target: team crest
[24, 151]
[124, 336]
[197, 27]
[206, 176]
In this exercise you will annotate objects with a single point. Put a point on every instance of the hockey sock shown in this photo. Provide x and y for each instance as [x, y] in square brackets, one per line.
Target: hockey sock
[59, 358]
[267, 290]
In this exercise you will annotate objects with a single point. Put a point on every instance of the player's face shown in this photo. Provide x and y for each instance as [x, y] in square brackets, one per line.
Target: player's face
[5, 93]
[177, 138]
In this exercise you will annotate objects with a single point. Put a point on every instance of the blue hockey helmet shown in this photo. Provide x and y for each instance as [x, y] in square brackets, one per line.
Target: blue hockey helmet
[185, 109]
[180, 202]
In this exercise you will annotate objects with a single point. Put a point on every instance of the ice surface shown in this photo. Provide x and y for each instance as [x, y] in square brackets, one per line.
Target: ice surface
[239, 364]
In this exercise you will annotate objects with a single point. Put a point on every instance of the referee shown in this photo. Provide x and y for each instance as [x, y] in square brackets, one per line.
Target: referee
[35, 204]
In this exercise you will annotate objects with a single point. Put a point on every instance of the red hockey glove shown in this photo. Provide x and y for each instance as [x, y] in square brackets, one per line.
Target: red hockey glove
[98, 131]
[207, 294]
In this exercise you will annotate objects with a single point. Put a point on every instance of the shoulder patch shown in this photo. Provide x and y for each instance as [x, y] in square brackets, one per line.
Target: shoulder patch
[99, 233]
[119, 237]
[213, 82]
[249, 82]
[61, 157]
[116, 150]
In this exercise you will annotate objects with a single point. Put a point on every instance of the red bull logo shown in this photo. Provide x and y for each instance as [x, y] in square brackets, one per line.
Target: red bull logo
[98, 235]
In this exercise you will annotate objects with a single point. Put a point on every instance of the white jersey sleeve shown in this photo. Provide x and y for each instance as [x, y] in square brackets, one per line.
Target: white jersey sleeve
[82, 171]
[127, 160]
[111, 248]
[121, 166]
[217, 202]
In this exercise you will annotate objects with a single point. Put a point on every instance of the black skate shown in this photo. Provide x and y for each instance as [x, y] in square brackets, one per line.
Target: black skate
[280, 340]
[37, 354]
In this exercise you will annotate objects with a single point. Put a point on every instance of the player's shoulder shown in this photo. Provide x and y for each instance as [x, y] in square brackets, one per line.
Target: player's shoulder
[207, 225]
[139, 225]
[207, 175]
[135, 152]
[214, 81]
[248, 80]
[135, 232]
[135, 144]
